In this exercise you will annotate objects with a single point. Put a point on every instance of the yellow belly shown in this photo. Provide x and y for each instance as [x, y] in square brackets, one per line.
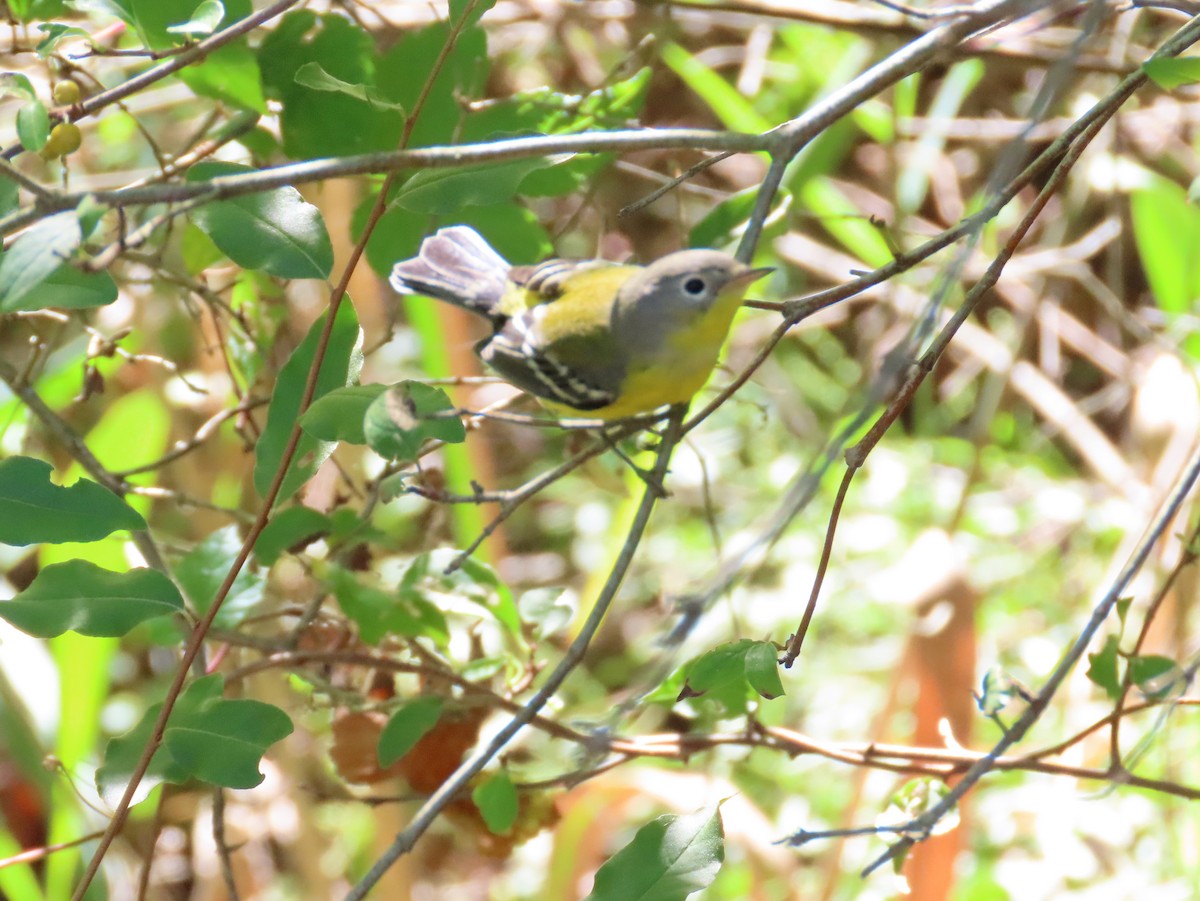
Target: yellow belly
[674, 375]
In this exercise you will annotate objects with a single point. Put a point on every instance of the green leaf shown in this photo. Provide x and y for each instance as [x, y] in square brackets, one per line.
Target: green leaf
[277, 231]
[722, 665]
[55, 33]
[408, 413]
[473, 580]
[343, 360]
[9, 194]
[33, 125]
[33, 510]
[202, 571]
[204, 21]
[439, 192]
[1154, 675]
[207, 737]
[405, 728]
[378, 613]
[290, 528]
[318, 123]
[35, 256]
[1172, 73]
[222, 741]
[1103, 666]
[725, 222]
[1123, 605]
[81, 597]
[68, 288]
[122, 754]
[338, 416]
[231, 74]
[311, 75]
[1166, 230]
[496, 798]
[14, 84]
[762, 669]
[667, 860]
[156, 19]
[473, 8]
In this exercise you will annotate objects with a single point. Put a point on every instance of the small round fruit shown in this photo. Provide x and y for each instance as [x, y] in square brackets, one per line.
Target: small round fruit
[65, 138]
[66, 93]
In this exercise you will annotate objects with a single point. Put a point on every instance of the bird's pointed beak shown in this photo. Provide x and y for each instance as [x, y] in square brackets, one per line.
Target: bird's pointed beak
[751, 275]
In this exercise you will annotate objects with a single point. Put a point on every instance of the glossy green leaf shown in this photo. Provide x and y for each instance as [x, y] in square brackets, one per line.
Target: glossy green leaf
[230, 73]
[33, 125]
[155, 20]
[338, 416]
[407, 414]
[81, 597]
[311, 75]
[55, 33]
[202, 571]
[438, 192]
[722, 665]
[762, 669]
[320, 123]
[1154, 675]
[33, 510]
[1103, 668]
[405, 727]
[35, 256]
[667, 860]
[207, 737]
[341, 365]
[276, 231]
[223, 741]
[496, 798]
[122, 753]
[294, 527]
[204, 20]
[68, 288]
[1174, 72]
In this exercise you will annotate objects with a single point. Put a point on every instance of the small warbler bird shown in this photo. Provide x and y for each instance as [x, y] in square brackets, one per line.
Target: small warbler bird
[589, 338]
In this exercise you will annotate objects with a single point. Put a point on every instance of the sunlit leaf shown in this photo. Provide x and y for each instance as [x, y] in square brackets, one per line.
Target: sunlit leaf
[1103, 668]
[407, 414]
[81, 597]
[276, 231]
[338, 416]
[341, 365]
[33, 510]
[668, 860]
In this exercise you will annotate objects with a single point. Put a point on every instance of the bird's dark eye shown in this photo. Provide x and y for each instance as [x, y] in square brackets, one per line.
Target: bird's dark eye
[694, 286]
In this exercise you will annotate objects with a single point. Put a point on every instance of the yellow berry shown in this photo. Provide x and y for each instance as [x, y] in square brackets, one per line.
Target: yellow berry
[66, 93]
[65, 138]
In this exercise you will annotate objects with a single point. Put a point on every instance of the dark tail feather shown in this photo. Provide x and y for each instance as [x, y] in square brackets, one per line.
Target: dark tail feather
[455, 265]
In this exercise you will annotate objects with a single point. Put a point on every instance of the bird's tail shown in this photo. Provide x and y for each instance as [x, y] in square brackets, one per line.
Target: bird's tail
[456, 265]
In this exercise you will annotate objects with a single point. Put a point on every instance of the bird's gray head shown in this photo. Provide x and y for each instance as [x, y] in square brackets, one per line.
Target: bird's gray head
[671, 292]
[688, 279]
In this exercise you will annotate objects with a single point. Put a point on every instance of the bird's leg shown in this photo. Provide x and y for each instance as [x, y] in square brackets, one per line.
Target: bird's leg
[651, 481]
